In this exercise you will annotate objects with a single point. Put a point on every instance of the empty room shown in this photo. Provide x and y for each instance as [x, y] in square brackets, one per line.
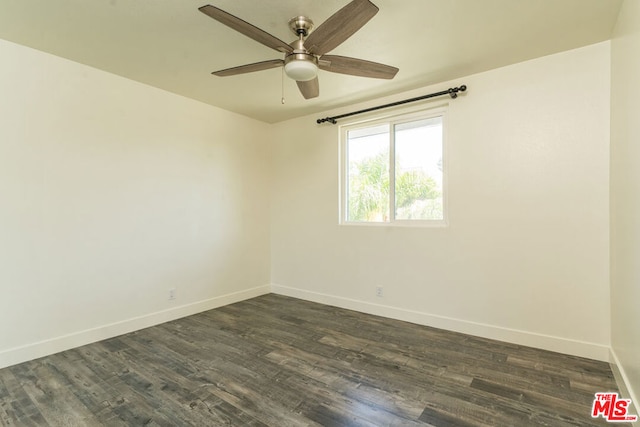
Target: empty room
[304, 213]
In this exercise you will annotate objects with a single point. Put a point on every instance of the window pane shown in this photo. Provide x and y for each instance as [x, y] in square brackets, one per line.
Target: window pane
[418, 170]
[368, 174]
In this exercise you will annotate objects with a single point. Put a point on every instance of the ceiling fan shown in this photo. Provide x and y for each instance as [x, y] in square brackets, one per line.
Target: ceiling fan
[304, 56]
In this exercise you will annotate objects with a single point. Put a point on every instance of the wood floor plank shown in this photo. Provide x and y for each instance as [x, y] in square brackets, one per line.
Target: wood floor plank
[38, 382]
[17, 406]
[280, 361]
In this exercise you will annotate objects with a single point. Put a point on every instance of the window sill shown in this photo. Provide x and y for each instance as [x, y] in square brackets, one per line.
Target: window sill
[400, 224]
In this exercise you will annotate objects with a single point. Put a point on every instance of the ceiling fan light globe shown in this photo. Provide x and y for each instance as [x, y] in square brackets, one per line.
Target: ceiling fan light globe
[301, 70]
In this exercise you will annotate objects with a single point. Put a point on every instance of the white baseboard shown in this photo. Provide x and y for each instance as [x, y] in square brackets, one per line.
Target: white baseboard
[530, 339]
[54, 345]
[624, 385]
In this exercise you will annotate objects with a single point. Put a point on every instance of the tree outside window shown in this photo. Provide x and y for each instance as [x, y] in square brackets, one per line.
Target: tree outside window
[394, 172]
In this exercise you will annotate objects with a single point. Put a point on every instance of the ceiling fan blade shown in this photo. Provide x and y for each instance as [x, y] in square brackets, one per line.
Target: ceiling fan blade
[340, 26]
[249, 68]
[245, 28]
[356, 67]
[309, 89]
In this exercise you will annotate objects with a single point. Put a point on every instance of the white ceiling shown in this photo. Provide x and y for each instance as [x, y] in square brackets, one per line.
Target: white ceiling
[171, 45]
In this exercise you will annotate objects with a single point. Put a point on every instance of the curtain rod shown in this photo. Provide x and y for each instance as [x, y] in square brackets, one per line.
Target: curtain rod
[452, 91]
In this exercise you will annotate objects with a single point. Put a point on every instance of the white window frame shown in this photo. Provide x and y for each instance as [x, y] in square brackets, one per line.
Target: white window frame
[397, 117]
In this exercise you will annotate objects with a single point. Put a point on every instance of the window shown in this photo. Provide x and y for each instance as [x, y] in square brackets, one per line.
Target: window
[393, 170]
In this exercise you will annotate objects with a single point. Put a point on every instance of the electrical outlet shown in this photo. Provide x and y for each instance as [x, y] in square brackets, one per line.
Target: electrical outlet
[172, 294]
[379, 292]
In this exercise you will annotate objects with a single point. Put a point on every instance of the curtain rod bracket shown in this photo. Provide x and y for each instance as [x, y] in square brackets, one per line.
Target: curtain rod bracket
[452, 92]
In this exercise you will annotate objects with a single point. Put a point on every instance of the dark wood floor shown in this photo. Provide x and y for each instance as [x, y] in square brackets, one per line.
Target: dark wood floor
[278, 361]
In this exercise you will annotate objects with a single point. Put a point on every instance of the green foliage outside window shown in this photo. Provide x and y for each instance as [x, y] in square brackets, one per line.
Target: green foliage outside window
[417, 194]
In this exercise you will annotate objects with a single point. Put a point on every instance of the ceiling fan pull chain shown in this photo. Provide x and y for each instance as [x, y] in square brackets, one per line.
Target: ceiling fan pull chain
[282, 83]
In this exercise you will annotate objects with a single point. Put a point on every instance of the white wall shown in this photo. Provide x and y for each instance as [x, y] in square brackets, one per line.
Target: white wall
[525, 258]
[113, 192]
[625, 195]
